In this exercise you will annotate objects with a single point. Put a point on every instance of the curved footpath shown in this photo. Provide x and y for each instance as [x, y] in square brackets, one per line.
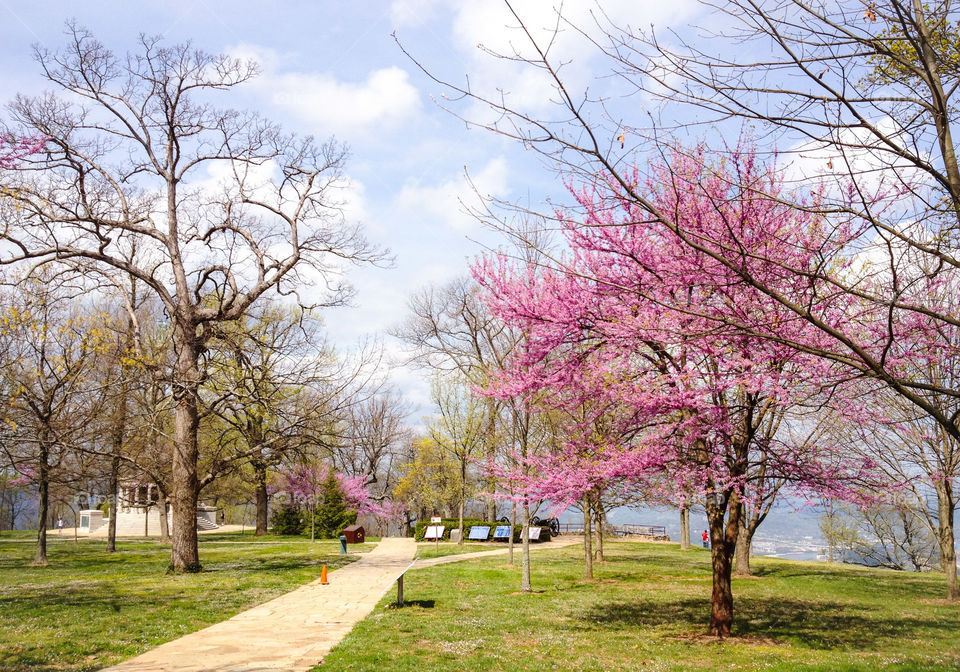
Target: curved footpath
[295, 631]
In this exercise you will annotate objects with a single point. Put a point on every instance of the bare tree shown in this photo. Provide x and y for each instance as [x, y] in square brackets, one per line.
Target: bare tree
[271, 375]
[375, 438]
[222, 205]
[50, 349]
[449, 329]
[458, 430]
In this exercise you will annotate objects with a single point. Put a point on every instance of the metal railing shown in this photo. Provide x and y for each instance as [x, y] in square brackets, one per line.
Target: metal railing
[655, 531]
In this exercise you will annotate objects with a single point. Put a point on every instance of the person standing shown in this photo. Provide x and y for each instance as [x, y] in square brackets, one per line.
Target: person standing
[706, 539]
[60, 525]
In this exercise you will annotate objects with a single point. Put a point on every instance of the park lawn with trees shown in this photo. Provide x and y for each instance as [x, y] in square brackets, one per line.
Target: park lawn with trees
[88, 609]
[644, 610]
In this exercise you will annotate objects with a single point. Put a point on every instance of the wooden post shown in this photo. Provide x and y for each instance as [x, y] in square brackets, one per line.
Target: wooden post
[400, 591]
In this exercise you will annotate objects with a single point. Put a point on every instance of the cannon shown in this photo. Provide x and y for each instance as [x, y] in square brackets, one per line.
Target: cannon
[552, 523]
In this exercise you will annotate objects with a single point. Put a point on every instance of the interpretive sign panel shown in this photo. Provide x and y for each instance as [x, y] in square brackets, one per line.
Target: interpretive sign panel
[502, 532]
[479, 532]
[533, 533]
[434, 532]
[434, 520]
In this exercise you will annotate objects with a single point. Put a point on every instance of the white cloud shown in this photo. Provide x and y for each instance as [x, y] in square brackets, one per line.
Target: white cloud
[451, 201]
[412, 12]
[567, 31]
[327, 105]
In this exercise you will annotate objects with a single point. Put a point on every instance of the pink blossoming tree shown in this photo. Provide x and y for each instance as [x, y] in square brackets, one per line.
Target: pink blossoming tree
[633, 318]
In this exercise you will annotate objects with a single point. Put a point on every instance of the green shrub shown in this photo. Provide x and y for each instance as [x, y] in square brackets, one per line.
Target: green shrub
[287, 519]
[332, 515]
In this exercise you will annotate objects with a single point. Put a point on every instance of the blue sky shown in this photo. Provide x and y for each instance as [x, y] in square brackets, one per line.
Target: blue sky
[333, 68]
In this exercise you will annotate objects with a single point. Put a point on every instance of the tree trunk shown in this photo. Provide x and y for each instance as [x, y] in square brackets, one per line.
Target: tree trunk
[164, 522]
[723, 541]
[114, 486]
[587, 540]
[460, 521]
[260, 472]
[945, 535]
[185, 554]
[600, 519]
[513, 525]
[525, 583]
[744, 545]
[685, 527]
[40, 557]
[491, 513]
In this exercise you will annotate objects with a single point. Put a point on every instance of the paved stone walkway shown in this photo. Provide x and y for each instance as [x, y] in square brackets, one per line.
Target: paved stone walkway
[292, 632]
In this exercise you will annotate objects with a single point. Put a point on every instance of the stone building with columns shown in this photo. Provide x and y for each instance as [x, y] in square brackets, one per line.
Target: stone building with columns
[138, 513]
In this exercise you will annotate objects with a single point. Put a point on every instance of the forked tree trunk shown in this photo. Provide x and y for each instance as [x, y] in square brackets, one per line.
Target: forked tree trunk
[260, 473]
[185, 555]
[587, 539]
[526, 585]
[685, 527]
[945, 535]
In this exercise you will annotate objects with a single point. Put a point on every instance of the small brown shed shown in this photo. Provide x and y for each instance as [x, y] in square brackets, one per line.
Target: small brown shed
[354, 534]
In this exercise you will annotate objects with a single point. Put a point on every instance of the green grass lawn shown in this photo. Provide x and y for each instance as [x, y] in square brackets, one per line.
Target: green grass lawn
[429, 549]
[647, 610]
[89, 609]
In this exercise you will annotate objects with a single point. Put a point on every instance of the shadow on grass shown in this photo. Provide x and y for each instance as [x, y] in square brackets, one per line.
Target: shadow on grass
[814, 625]
[423, 604]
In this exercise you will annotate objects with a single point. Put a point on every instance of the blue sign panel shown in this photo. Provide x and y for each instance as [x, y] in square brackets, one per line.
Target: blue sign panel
[502, 532]
[479, 532]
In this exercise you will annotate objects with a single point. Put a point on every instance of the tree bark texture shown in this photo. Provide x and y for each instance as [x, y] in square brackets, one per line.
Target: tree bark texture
[587, 540]
[513, 525]
[40, 557]
[685, 527]
[113, 486]
[185, 556]
[260, 472]
[600, 519]
[723, 541]
[526, 585]
[744, 544]
[164, 521]
[946, 504]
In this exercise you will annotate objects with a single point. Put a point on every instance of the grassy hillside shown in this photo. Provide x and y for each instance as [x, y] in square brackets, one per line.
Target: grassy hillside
[647, 610]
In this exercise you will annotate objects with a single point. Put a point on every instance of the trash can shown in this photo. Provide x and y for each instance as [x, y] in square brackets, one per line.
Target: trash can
[343, 545]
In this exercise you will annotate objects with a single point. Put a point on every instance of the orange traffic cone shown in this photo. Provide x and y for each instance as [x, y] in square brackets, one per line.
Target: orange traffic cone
[323, 577]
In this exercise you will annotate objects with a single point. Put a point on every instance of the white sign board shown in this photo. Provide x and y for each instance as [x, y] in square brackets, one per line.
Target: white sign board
[434, 532]
[436, 520]
[534, 533]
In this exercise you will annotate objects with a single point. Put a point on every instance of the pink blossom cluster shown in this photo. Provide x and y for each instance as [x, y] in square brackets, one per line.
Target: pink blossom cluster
[304, 482]
[671, 327]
